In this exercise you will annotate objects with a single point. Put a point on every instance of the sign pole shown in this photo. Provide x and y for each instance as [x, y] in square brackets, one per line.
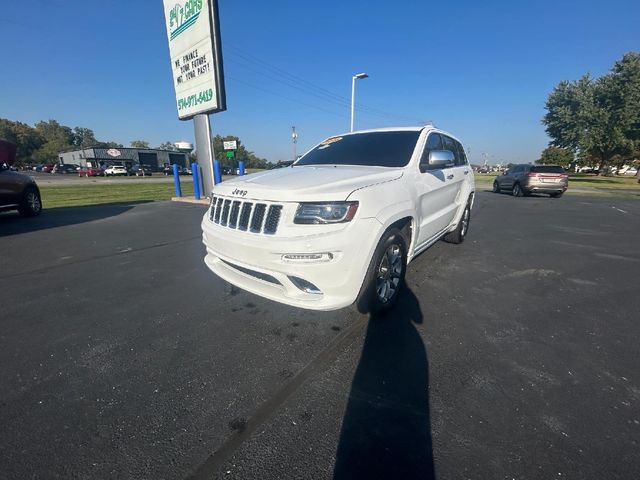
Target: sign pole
[193, 33]
[204, 151]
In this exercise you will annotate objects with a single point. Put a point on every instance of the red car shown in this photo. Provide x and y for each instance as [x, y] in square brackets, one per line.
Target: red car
[91, 172]
[48, 168]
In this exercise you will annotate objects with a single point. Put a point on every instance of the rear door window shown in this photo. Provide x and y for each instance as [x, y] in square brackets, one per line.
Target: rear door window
[462, 157]
[450, 144]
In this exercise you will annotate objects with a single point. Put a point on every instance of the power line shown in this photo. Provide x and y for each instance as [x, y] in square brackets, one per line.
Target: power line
[285, 97]
[342, 116]
[304, 85]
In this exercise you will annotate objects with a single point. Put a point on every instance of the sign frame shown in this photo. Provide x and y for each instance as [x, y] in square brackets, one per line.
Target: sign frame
[230, 144]
[216, 77]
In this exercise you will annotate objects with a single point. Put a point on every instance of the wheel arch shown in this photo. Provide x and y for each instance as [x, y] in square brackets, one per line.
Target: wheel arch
[406, 222]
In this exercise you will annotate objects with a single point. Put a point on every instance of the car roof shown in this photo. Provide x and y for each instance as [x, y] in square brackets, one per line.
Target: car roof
[430, 128]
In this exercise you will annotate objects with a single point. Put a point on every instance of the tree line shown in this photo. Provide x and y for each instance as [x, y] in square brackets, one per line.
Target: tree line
[596, 121]
[43, 142]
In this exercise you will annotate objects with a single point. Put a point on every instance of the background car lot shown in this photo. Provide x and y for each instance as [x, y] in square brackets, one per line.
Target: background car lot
[513, 355]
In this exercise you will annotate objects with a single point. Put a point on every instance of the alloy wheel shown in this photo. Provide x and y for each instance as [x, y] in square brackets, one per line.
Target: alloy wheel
[389, 273]
[516, 190]
[465, 222]
[33, 202]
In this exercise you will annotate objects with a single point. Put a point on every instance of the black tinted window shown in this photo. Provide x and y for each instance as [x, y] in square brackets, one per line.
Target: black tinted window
[450, 144]
[434, 142]
[381, 149]
[462, 157]
[547, 169]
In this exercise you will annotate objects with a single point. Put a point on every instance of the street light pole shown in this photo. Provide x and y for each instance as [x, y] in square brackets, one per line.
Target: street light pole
[294, 141]
[358, 76]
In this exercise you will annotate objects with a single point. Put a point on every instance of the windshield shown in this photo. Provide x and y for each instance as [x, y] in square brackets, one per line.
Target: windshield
[378, 149]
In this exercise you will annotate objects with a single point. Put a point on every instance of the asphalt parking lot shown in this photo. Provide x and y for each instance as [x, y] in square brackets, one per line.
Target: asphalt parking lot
[513, 355]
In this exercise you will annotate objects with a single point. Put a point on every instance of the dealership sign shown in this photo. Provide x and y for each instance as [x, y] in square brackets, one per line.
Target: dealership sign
[113, 152]
[230, 145]
[196, 59]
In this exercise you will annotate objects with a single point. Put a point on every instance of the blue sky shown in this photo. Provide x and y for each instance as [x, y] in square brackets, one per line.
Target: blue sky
[481, 70]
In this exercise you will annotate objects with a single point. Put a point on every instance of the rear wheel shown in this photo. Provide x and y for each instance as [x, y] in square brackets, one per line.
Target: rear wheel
[30, 204]
[385, 274]
[517, 190]
[459, 234]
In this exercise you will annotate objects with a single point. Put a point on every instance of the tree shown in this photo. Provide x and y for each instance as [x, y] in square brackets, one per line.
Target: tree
[24, 136]
[556, 156]
[53, 132]
[83, 137]
[57, 138]
[167, 146]
[249, 158]
[46, 140]
[598, 118]
[108, 145]
[139, 144]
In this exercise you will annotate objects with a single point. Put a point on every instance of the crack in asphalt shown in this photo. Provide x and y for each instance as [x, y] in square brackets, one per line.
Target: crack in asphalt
[274, 404]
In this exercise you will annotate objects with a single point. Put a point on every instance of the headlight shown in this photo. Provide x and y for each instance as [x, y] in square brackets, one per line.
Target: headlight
[325, 212]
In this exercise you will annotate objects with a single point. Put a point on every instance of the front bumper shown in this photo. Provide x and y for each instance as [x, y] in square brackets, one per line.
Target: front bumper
[254, 262]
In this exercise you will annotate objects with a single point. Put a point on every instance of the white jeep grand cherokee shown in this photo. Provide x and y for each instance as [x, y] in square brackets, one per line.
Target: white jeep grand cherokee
[341, 224]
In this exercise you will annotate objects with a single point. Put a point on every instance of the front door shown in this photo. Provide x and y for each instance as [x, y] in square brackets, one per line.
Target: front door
[437, 190]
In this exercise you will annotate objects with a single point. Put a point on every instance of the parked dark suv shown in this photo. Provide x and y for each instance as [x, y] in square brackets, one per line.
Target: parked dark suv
[523, 180]
[19, 192]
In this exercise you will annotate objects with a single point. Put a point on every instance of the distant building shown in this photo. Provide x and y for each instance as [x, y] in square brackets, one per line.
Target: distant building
[154, 159]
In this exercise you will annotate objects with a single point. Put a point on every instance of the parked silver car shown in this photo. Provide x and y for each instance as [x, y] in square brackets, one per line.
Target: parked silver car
[523, 180]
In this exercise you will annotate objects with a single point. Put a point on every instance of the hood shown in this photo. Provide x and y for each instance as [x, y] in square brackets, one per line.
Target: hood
[307, 183]
[16, 177]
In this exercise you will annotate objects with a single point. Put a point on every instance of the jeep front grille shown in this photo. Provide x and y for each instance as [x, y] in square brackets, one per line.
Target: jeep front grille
[255, 217]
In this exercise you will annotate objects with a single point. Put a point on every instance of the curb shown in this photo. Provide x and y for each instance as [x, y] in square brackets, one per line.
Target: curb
[202, 201]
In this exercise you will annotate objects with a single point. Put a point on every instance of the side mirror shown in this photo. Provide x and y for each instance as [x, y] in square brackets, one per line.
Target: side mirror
[441, 158]
[438, 159]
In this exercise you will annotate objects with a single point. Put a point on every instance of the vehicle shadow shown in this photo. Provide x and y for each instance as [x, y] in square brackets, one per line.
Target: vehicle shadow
[11, 223]
[386, 430]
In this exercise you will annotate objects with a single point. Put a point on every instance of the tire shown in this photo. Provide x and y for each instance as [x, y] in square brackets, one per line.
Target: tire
[517, 190]
[556, 195]
[496, 187]
[30, 203]
[385, 275]
[459, 234]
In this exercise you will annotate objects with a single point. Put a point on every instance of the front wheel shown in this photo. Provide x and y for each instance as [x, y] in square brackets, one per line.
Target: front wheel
[496, 187]
[30, 204]
[385, 274]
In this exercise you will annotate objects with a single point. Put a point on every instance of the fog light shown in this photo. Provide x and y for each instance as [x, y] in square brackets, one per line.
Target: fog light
[306, 287]
[307, 257]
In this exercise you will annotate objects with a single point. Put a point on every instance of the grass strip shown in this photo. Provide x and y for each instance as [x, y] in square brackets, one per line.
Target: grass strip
[81, 195]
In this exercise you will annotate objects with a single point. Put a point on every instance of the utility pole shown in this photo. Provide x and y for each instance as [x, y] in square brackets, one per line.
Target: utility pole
[294, 141]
